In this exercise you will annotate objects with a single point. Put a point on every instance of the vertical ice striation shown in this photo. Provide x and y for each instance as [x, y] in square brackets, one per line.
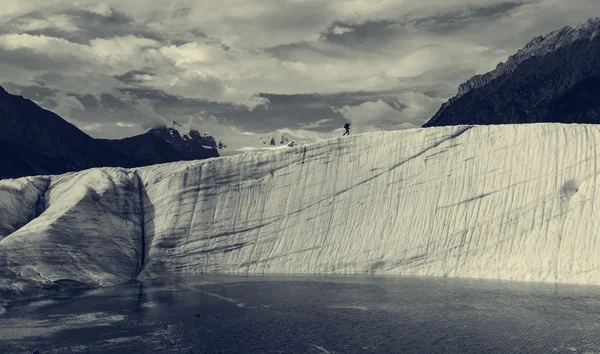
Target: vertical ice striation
[88, 230]
[503, 202]
[508, 202]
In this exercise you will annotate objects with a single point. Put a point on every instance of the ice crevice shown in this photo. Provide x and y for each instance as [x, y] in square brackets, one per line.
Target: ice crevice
[21, 201]
[142, 247]
[514, 202]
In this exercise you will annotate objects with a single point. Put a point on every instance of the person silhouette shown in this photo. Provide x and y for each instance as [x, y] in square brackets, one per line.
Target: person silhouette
[347, 127]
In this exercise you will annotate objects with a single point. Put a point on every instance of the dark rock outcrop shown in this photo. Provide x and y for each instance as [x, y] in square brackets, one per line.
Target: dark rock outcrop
[191, 146]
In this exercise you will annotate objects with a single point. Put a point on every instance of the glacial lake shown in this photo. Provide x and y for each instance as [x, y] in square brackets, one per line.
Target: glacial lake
[310, 314]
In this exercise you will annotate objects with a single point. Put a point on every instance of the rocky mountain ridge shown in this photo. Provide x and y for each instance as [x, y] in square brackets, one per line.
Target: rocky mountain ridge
[554, 78]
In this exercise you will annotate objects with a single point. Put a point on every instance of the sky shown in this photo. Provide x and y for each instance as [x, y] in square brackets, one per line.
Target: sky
[242, 70]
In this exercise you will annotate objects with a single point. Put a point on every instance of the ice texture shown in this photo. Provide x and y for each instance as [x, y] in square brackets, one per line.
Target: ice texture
[498, 202]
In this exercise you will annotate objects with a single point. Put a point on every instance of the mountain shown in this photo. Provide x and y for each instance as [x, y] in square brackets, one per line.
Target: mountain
[554, 78]
[191, 146]
[160, 145]
[146, 149]
[36, 141]
[517, 202]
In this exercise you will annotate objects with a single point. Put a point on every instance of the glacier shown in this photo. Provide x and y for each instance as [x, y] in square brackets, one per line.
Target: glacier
[514, 202]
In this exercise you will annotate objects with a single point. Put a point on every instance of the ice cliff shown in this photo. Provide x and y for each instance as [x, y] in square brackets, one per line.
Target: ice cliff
[505, 202]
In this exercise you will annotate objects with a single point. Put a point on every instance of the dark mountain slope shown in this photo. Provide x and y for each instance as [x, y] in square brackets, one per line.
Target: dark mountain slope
[36, 141]
[18, 161]
[45, 142]
[147, 149]
[555, 78]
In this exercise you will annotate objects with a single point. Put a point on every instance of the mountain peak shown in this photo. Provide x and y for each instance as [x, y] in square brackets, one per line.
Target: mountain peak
[552, 41]
[538, 46]
[592, 23]
[191, 142]
[553, 78]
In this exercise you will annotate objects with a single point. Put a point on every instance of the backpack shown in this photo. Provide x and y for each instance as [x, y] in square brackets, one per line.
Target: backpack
[347, 125]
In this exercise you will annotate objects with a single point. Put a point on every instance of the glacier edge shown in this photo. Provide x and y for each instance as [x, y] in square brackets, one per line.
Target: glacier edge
[507, 202]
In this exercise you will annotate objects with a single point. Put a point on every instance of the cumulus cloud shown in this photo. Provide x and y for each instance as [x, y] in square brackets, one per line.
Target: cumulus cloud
[101, 9]
[418, 107]
[40, 44]
[145, 109]
[366, 116]
[67, 105]
[117, 55]
[60, 22]
[194, 84]
[412, 110]
[316, 124]
[121, 48]
[227, 56]
[339, 30]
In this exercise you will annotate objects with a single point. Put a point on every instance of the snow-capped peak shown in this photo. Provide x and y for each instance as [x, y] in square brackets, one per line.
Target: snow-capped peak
[191, 138]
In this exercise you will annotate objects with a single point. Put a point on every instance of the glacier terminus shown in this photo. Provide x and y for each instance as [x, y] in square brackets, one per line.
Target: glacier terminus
[514, 202]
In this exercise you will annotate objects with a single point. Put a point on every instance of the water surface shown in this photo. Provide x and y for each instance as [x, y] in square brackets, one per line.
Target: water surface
[295, 314]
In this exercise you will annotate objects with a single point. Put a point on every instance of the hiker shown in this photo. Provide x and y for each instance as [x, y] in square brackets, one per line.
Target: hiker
[347, 127]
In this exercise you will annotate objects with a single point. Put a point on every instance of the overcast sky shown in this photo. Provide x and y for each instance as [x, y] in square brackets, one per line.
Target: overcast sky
[241, 69]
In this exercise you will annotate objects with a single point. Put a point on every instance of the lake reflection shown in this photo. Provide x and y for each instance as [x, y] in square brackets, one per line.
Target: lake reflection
[311, 315]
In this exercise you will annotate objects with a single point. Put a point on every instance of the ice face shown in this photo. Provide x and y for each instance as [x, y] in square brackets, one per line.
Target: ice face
[503, 202]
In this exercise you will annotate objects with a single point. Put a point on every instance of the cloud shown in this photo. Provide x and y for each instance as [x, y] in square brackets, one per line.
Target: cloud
[411, 110]
[101, 9]
[67, 105]
[418, 107]
[366, 116]
[145, 108]
[60, 22]
[316, 124]
[339, 30]
[214, 71]
[260, 66]
[127, 116]
[41, 44]
[194, 84]
[108, 57]
[135, 77]
[121, 48]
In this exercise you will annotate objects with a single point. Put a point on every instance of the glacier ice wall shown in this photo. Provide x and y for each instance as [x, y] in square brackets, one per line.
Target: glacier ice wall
[500, 202]
[82, 226]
